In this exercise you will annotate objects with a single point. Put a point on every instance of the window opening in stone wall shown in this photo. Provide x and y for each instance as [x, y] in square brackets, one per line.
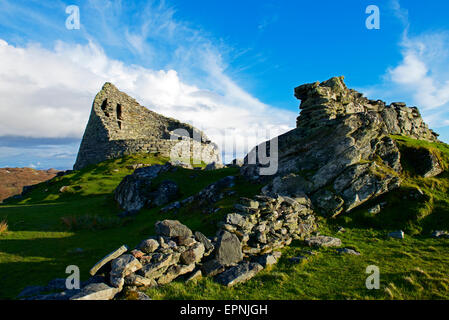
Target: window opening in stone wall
[119, 115]
[104, 106]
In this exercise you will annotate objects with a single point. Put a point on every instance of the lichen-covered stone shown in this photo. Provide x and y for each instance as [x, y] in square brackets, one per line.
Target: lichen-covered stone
[341, 154]
[323, 241]
[238, 274]
[111, 256]
[228, 249]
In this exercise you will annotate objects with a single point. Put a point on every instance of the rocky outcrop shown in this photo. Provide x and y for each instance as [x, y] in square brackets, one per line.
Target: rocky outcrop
[341, 153]
[137, 190]
[246, 242]
[118, 126]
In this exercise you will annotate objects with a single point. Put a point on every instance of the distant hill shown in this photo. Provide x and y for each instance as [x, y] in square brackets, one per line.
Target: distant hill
[12, 180]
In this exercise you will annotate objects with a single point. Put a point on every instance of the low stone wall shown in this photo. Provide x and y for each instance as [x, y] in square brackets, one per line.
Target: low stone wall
[244, 245]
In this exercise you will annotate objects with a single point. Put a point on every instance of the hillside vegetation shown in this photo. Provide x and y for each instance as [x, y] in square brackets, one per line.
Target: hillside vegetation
[73, 220]
[12, 180]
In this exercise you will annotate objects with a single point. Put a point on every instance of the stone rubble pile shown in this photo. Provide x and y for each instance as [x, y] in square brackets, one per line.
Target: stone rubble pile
[207, 197]
[341, 154]
[266, 224]
[245, 244]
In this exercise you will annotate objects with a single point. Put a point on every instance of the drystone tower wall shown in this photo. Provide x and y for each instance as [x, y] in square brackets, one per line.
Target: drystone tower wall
[119, 125]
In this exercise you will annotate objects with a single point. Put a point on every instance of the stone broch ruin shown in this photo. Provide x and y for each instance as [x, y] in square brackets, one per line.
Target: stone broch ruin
[119, 125]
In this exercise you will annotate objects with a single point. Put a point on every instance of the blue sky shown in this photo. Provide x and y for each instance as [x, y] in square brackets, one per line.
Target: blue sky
[225, 66]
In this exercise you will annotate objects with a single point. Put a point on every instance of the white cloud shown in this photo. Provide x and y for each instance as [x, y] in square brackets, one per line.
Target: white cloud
[48, 93]
[423, 70]
[179, 71]
[421, 77]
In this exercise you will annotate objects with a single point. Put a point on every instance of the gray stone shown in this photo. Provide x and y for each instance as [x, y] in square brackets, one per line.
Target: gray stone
[121, 267]
[193, 255]
[342, 141]
[348, 251]
[111, 256]
[96, 291]
[214, 166]
[175, 271]
[239, 274]
[139, 281]
[323, 241]
[228, 249]
[267, 260]
[424, 161]
[157, 268]
[172, 229]
[211, 268]
[148, 246]
[165, 193]
[142, 296]
[397, 234]
[133, 192]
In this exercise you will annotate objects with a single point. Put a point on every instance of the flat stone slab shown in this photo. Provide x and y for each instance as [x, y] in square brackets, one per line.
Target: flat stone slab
[211, 268]
[172, 229]
[96, 291]
[323, 241]
[397, 234]
[239, 274]
[111, 256]
[348, 251]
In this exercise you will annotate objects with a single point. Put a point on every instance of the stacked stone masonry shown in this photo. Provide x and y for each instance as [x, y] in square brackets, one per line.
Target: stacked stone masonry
[119, 126]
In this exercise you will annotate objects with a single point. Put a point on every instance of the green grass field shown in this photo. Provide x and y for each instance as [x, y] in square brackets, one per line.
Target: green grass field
[49, 230]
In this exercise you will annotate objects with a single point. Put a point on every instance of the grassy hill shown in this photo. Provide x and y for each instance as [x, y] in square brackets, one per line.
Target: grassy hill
[49, 230]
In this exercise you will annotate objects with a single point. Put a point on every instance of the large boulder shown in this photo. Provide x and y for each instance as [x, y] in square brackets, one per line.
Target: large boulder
[121, 267]
[323, 241]
[111, 256]
[166, 192]
[194, 254]
[96, 291]
[341, 153]
[208, 246]
[134, 191]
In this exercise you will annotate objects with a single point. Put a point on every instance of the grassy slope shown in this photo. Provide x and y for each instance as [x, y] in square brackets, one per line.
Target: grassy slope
[38, 247]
